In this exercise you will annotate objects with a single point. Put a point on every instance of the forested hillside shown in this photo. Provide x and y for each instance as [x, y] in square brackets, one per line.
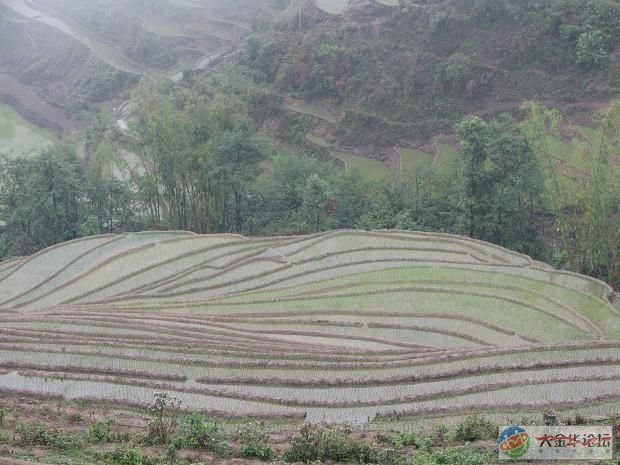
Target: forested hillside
[409, 72]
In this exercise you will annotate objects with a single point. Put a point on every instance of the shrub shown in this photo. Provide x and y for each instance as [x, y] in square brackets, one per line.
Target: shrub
[31, 434]
[199, 434]
[100, 432]
[363, 452]
[451, 456]
[76, 417]
[254, 442]
[66, 442]
[305, 444]
[591, 49]
[318, 442]
[126, 456]
[2, 416]
[474, 428]
[333, 444]
[400, 439]
[35, 434]
[550, 418]
[165, 412]
[441, 434]
[259, 451]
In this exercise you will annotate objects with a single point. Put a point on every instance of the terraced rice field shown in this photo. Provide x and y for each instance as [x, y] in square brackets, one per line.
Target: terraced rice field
[447, 156]
[380, 327]
[334, 7]
[388, 2]
[415, 161]
[101, 48]
[315, 110]
[374, 170]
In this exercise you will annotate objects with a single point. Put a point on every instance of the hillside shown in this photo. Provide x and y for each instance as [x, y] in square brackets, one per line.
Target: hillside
[386, 327]
[404, 74]
[63, 60]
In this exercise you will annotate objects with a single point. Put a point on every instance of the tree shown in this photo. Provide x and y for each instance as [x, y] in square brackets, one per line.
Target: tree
[537, 127]
[602, 204]
[591, 48]
[351, 194]
[41, 200]
[383, 210]
[587, 214]
[518, 190]
[235, 163]
[473, 135]
[314, 201]
[110, 205]
[503, 184]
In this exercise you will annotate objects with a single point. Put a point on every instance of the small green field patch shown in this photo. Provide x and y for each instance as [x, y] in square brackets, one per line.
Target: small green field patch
[415, 161]
[18, 136]
[373, 169]
[315, 110]
[318, 140]
[448, 156]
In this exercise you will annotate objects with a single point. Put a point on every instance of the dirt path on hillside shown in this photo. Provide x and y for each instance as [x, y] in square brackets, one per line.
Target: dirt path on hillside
[587, 105]
[33, 107]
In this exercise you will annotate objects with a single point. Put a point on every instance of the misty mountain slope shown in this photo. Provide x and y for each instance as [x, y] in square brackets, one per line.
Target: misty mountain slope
[77, 55]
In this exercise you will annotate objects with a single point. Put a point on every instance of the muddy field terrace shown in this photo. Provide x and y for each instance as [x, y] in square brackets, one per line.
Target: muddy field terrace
[392, 328]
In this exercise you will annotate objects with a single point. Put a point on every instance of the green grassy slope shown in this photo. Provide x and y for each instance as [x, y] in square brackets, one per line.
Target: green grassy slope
[18, 136]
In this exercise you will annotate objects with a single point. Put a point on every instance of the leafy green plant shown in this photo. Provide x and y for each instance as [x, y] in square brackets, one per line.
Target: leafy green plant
[172, 452]
[100, 432]
[400, 439]
[550, 418]
[126, 456]
[31, 434]
[559, 258]
[199, 434]
[65, 442]
[253, 441]
[408, 439]
[36, 434]
[441, 434]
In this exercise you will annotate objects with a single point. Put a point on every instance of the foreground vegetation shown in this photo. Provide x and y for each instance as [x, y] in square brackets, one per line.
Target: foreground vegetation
[167, 436]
